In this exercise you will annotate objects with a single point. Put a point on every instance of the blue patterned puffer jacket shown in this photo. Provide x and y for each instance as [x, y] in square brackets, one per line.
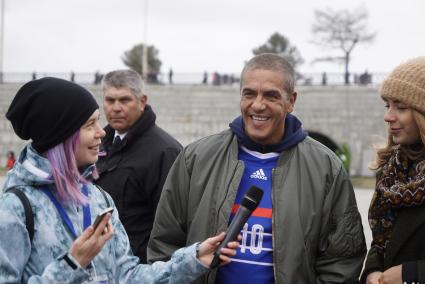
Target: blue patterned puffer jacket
[40, 261]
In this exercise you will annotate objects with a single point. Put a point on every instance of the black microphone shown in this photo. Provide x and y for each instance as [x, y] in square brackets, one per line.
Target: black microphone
[249, 202]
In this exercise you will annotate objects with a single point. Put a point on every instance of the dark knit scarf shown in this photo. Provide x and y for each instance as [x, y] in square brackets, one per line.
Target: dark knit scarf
[294, 133]
[399, 185]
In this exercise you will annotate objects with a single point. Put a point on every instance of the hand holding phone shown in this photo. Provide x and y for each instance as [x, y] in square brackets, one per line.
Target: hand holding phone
[100, 216]
[91, 242]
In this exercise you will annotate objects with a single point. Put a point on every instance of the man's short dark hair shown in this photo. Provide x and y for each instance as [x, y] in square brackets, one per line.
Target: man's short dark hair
[272, 62]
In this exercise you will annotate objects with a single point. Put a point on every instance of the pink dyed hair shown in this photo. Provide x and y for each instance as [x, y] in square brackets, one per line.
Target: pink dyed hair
[65, 172]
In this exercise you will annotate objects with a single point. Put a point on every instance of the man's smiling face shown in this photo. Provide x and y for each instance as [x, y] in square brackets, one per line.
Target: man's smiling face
[264, 105]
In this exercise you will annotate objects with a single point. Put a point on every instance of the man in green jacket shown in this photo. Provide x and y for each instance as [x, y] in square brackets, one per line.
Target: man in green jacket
[307, 228]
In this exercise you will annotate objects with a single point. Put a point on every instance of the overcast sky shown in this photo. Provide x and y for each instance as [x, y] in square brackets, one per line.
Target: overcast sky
[195, 35]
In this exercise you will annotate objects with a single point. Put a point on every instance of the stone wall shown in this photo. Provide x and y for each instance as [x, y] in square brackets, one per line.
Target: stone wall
[351, 115]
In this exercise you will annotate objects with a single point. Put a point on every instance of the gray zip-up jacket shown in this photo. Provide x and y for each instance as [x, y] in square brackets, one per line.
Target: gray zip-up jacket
[317, 231]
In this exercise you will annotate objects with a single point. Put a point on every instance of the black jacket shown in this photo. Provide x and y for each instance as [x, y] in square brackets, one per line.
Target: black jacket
[134, 172]
[406, 246]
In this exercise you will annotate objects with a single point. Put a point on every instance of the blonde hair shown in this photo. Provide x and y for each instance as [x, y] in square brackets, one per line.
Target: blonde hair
[383, 154]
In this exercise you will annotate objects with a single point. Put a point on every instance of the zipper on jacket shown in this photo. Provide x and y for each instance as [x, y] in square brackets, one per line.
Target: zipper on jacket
[212, 275]
[273, 229]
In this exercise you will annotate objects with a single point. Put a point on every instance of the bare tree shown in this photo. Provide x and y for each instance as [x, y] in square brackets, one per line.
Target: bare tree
[341, 30]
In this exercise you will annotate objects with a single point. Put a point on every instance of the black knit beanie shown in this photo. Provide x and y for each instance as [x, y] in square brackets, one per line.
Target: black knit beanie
[50, 110]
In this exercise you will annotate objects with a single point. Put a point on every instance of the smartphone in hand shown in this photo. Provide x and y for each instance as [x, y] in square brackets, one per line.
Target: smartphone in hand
[100, 216]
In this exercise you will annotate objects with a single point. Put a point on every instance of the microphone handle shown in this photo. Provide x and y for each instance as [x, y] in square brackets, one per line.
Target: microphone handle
[234, 229]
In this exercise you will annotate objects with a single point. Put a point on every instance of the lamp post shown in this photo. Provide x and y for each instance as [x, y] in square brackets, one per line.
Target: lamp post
[1, 39]
[145, 68]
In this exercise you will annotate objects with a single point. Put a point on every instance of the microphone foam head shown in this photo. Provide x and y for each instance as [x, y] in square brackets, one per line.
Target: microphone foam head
[252, 198]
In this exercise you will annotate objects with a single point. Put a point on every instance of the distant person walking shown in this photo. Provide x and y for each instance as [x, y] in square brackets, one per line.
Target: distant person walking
[216, 81]
[10, 160]
[170, 76]
[205, 78]
[324, 79]
[97, 78]
[365, 78]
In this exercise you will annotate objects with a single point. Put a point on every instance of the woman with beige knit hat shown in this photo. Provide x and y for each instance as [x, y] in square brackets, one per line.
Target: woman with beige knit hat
[397, 209]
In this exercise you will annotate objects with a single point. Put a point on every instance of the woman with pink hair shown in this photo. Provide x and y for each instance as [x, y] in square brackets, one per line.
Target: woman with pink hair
[55, 173]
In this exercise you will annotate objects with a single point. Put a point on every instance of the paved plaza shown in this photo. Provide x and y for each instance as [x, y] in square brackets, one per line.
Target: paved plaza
[363, 197]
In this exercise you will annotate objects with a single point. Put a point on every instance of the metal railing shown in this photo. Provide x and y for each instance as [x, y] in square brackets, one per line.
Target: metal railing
[303, 79]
